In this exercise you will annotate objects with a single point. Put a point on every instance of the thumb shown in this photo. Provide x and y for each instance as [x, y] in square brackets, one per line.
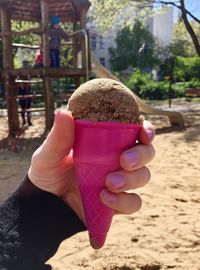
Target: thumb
[60, 140]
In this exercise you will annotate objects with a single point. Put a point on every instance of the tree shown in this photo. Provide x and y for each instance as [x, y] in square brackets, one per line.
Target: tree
[188, 26]
[182, 44]
[105, 12]
[135, 48]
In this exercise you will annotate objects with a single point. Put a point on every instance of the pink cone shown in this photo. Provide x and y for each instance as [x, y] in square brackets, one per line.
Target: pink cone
[97, 151]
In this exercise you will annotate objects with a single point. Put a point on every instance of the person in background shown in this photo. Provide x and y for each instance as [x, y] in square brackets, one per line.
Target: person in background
[24, 90]
[39, 59]
[56, 35]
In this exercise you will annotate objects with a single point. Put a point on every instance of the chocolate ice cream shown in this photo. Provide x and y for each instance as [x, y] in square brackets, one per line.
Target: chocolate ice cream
[104, 100]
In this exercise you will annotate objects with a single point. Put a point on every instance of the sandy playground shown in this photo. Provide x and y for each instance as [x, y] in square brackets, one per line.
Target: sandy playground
[164, 234]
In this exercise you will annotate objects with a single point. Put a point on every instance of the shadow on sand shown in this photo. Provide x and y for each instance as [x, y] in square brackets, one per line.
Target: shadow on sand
[20, 143]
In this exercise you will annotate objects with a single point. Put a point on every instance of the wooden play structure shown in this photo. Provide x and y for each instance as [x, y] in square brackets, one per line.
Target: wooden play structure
[40, 11]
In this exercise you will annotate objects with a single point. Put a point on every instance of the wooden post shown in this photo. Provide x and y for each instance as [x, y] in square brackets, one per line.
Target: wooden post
[83, 26]
[75, 47]
[49, 99]
[11, 93]
[75, 54]
[89, 54]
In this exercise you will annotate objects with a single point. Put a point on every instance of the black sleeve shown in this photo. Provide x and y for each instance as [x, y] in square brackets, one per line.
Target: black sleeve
[33, 223]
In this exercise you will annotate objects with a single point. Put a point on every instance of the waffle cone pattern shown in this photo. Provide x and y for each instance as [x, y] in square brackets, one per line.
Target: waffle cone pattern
[97, 151]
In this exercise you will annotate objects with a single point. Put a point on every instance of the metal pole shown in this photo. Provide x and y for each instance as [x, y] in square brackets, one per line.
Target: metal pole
[86, 49]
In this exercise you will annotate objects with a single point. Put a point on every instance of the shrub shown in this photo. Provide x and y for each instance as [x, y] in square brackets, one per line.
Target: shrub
[188, 68]
[178, 90]
[145, 87]
[181, 68]
[155, 90]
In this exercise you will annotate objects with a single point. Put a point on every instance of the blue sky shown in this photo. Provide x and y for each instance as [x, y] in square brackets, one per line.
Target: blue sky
[193, 6]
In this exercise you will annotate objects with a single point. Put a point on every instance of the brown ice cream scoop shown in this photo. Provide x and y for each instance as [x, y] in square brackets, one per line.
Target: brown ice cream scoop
[104, 100]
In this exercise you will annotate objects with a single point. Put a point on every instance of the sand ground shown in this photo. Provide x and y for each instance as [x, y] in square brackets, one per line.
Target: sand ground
[165, 233]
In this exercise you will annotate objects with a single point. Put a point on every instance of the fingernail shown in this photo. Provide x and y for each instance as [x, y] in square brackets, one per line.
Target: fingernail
[117, 180]
[131, 158]
[150, 134]
[109, 197]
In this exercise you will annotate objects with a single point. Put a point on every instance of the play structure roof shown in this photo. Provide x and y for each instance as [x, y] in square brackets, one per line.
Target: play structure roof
[29, 10]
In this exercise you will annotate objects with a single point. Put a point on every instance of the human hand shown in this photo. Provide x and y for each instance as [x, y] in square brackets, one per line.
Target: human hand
[134, 174]
[52, 168]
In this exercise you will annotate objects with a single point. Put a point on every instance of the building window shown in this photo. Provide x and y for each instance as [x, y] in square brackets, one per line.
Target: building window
[102, 61]
[93, 43]
[101, 43]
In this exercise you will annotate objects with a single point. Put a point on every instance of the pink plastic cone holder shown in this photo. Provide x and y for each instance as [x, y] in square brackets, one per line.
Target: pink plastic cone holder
[97, 150]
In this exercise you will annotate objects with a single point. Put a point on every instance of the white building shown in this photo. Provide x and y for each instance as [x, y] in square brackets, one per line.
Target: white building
[161, 26]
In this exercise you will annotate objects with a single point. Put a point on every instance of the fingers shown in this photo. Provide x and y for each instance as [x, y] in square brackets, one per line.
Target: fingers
[123, 203]
[60, 139]
[134, 174]
[117, 183]
[137, 157]
[147, 133]
[141, 154]
[120, 181]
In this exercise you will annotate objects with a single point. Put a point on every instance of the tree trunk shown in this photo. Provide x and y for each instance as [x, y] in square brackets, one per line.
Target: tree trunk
[189, 28]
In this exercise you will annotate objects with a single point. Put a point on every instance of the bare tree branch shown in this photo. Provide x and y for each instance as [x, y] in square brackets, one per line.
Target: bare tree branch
[179, 7]
[192, 16]
[160, 2]
[189, 28]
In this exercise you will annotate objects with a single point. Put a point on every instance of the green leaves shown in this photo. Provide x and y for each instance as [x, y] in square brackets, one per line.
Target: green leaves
[31, 39]
[135, 48]
[104, 13]
[182, 43]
